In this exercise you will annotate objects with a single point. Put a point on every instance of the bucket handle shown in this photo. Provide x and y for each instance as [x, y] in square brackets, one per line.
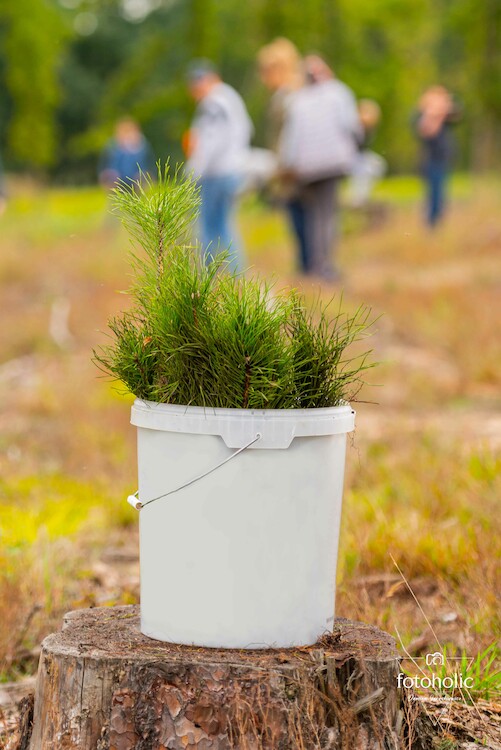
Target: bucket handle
[138, 505]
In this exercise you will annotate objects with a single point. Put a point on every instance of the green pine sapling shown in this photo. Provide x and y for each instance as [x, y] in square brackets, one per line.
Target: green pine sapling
[197, 335]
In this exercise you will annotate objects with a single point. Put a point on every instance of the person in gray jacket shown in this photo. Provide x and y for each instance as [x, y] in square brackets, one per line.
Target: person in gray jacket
[318, 147]
[218, 146]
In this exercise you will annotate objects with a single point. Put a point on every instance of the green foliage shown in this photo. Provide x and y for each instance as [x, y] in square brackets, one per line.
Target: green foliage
[33, 42]
[197, 335]
[136, 66]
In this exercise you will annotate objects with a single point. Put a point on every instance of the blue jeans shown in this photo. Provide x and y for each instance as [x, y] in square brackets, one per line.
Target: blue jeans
[435, 174]
[217, 219]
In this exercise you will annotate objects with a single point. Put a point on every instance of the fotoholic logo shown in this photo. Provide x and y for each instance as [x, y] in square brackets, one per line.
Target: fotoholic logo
[437, 682]
[436, 659]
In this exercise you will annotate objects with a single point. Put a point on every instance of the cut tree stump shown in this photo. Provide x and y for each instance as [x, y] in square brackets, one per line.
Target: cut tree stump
[102, 685]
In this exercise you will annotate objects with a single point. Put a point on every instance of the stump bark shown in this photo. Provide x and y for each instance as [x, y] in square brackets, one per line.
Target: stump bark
[102, 685]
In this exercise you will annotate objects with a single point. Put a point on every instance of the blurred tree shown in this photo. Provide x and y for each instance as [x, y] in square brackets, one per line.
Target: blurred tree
[33, 37]
[130, 57]
[381, 59]
[471, 57]
[203, 36]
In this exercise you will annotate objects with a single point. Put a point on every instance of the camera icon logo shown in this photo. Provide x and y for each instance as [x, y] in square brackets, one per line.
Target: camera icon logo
[435, 659]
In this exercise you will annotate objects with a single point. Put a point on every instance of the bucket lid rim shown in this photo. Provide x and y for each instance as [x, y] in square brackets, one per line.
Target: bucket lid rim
[276, 428]
[143, 405]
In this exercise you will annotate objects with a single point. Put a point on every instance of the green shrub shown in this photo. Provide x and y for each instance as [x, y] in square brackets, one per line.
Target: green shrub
[197, 335]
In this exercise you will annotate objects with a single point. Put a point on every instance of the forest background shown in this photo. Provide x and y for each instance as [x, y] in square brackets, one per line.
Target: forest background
[70, 68]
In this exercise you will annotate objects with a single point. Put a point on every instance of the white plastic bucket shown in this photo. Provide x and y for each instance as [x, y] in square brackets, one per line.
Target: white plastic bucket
[245, 556]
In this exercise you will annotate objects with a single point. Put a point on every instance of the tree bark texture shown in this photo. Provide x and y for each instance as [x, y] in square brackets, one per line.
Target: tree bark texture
[102, 685]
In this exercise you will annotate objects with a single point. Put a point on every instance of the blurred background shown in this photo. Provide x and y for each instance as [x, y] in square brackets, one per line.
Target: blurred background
[424, 466]
[70, 68]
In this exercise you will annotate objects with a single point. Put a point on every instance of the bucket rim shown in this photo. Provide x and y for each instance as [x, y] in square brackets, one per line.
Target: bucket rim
[143, 405]
[276, 428]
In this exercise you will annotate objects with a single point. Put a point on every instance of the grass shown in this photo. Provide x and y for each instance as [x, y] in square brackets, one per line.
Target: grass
[432, 508]
[420, 511]
[423, 477]
[50, 526]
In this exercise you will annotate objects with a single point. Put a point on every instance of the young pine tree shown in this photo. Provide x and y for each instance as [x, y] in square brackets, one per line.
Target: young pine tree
[197, 335]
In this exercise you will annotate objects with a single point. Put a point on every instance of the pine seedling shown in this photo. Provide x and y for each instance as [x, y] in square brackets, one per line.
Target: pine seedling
[197, 335]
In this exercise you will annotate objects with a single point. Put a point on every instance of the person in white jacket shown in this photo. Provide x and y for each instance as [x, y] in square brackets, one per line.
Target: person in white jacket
[318, 147]
[219, 143]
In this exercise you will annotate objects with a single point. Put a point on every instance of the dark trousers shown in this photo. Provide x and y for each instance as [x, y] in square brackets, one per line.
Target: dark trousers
[321, 219]
[435, 174]
[295, 209]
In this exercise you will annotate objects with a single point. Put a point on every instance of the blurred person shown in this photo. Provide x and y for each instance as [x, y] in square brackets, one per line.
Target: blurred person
[318, 148]
[368, 166]
[281, 71]
[317, 69]
[217, 149]
[432, 124]
[126, 156]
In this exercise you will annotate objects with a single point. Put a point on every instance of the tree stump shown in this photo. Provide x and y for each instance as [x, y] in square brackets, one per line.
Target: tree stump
[102, 685]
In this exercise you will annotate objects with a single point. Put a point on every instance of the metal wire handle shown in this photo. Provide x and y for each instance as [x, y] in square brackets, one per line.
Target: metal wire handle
[138, 505]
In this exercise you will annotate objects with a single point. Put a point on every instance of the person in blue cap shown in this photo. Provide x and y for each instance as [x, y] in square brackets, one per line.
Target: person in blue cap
[218, 147]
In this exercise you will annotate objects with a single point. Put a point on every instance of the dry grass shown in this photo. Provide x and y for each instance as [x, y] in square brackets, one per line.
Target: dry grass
[423, 475]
